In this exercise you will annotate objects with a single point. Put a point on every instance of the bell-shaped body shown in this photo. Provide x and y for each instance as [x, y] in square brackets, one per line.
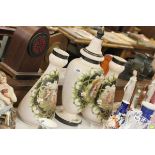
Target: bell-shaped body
[79, 76]
[78, 81]
[40, 101]
[102, 106]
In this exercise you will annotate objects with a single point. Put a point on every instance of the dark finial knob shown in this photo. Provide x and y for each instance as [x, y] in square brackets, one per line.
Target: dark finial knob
[100, 32]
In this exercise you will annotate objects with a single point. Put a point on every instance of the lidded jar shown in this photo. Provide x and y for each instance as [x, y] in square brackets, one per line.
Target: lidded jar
[40, 101]
[80, 74]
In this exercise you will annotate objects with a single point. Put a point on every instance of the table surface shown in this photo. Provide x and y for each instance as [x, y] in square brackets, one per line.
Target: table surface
[85, 41]
[84, 125]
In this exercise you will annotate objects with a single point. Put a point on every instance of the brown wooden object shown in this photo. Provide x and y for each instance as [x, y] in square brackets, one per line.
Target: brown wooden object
[26, 51]
[57, 40]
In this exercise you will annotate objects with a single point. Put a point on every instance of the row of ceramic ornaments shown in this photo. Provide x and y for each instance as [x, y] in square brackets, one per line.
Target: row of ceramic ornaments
[86, 89]
[127, 116]
[82, 80]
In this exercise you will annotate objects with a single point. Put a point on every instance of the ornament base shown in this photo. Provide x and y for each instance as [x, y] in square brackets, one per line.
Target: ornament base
[47, 123]
[67, 118]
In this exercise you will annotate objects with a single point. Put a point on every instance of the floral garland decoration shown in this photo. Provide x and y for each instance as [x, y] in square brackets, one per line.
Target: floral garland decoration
[82, 88]
[102, 107]
[42, 94]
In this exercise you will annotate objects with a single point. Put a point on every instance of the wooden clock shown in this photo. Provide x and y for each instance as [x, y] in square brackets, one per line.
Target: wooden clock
[25, 52]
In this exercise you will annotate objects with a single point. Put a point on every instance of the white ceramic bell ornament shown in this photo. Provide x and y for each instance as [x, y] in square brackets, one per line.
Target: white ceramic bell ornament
[40, 101]
[79, 75]
[101, 109]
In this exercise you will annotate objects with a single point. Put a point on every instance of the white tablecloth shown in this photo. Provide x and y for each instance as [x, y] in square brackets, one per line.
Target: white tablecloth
[84, 125]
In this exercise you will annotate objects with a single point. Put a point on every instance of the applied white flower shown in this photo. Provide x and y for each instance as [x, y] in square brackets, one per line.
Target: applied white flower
[77, 102]
[45, 77]
[99, 101]
[97, 77]
[92, 72]
[33, 92]
[83, 94]
[54, 85]
[49, 84]
[39, 100]
[96, 110]
[35, 110]
[107, 87]
[78, 84]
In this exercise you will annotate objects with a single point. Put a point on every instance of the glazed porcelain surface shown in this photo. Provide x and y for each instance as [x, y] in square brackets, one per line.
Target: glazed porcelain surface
[118, 117]
[86, 89]
[81, 75]
[139, 119]
[40, 101]
[102, 107]
[74, 82]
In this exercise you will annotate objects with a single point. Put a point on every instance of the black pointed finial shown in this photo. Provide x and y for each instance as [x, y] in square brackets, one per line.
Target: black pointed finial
[100, 32]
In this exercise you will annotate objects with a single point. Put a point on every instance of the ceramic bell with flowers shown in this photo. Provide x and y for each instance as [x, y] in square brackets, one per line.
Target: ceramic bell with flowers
[103, 104]
[82, 81]
[40, 102]
[85, 86]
